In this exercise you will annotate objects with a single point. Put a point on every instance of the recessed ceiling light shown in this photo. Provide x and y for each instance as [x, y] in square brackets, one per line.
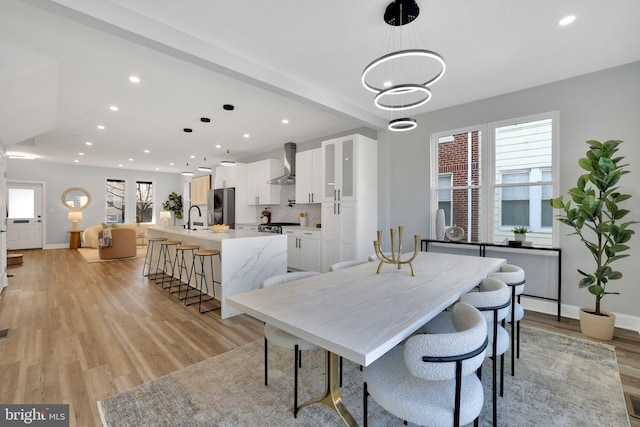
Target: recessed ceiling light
[567, 20]
[120, 164]
[134, 79]
[192, 156]
[76, 161]
[131, 160]
[114, 108]
[88, 143]
[218, 146]
[157, 169]
[187, 173]
[101, 127]
[285, 121]
[171, 164]
[246, 135]
[147, 151]
[80, 154]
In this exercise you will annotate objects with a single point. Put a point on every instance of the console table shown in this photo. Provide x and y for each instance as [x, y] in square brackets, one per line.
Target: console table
[482, 248]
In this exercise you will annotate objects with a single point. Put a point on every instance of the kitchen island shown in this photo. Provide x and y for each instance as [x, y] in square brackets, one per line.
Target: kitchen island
[247, 258]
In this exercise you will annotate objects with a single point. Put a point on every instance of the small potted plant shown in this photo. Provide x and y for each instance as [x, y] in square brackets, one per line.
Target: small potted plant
[520, 233]
[595, 217]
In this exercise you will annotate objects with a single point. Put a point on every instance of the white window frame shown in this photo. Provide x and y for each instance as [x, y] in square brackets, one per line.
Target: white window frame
[487, 187]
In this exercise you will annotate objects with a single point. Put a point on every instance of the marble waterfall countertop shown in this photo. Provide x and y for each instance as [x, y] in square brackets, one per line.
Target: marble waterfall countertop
[246, 258]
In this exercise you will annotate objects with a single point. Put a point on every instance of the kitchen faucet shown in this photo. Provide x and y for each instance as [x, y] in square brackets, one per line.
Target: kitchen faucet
[189, 215]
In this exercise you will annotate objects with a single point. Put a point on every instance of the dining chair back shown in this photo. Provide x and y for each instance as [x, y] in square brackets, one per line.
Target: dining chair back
[493, 299]
[514, 277]
[431, 380]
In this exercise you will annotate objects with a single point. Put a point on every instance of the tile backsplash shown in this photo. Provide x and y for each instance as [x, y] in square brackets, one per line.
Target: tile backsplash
[285, 213]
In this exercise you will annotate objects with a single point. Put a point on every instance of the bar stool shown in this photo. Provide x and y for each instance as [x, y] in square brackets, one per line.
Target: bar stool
[201, 284]
[183, 267]
[148, 258]
[168, 262]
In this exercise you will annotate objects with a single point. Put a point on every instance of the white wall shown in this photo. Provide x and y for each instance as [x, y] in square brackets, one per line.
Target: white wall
[59, 177]
[603, 105]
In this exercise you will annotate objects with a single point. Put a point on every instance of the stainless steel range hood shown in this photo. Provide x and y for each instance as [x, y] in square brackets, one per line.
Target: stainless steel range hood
[289, 176]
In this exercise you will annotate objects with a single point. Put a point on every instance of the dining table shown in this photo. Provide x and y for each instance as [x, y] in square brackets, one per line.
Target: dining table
[358, 314]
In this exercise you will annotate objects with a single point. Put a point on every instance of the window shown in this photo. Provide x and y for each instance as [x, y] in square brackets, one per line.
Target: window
[115, 206]
[21, 203]
[445, 196]
[144, 201]
[515, 200]
[499, 183]
[458, 179]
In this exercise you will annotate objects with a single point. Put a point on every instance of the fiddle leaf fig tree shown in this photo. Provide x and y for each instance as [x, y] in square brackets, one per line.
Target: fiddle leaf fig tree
[595, 214]
[174, 204]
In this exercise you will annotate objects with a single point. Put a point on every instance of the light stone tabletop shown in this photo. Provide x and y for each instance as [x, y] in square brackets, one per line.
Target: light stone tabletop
[360, 315]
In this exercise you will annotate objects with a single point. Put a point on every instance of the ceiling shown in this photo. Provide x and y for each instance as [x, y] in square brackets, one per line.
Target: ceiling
[63, 63]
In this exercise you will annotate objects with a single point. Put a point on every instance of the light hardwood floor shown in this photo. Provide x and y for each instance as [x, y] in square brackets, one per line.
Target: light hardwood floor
[80, 332]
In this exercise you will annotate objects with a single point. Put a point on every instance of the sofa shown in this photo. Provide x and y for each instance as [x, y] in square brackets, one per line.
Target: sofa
[90, 234]
[123, 244]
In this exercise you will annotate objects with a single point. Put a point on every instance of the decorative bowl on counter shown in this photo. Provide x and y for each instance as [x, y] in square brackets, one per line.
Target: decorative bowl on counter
[219, 228]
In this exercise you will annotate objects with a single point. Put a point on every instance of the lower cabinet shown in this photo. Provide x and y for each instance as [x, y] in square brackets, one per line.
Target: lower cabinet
[303, 249]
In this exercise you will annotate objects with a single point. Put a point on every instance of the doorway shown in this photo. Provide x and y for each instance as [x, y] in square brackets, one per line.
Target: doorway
[24, 215]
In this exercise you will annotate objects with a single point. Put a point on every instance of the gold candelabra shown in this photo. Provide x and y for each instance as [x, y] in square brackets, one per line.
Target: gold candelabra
[395, 255]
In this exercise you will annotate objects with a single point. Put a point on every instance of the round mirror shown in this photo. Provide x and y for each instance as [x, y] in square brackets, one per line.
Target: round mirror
[76, 199]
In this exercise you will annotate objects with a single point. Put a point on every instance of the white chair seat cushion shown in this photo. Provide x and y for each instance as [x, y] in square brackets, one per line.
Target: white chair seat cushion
[419, 401]
[519, 313]
[503, 341]
[284, 339]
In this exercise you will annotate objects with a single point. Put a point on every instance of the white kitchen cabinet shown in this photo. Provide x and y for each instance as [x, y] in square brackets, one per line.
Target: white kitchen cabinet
[309, 176]
[258, 173]
[226, 177]
[303, 249]
[349, 198]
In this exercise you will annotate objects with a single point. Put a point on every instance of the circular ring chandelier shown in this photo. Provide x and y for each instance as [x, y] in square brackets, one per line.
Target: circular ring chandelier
[415, 53]
[403, 124]
[402, 90]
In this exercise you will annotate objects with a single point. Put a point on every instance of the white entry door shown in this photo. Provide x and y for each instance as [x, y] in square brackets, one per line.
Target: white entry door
[24, 219]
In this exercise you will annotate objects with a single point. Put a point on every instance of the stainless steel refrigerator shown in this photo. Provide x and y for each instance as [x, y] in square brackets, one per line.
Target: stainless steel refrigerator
[221, 207]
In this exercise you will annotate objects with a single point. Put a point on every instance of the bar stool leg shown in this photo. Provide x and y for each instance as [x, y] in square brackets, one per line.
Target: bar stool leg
[148, 259]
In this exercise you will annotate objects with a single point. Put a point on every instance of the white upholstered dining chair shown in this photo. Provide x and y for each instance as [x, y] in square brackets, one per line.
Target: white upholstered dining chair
[284, 339]
[514, 277]
[431, 380]
[346, 264]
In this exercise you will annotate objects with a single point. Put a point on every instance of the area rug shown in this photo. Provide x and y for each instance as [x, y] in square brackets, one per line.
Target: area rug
[560, 381]
[91, 255]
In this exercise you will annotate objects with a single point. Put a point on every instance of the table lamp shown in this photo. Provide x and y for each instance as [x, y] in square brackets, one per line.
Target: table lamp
[165, 215]
[74, 217]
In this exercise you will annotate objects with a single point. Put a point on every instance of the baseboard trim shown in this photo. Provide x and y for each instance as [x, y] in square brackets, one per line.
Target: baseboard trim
[624, 321]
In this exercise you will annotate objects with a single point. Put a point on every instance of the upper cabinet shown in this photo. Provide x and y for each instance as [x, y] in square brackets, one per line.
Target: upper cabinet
[226, 177]
[348, 163]
[309, 176]
[258, 191]
[200, 187]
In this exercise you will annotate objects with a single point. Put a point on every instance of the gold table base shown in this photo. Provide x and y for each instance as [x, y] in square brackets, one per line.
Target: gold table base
[331, 396]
